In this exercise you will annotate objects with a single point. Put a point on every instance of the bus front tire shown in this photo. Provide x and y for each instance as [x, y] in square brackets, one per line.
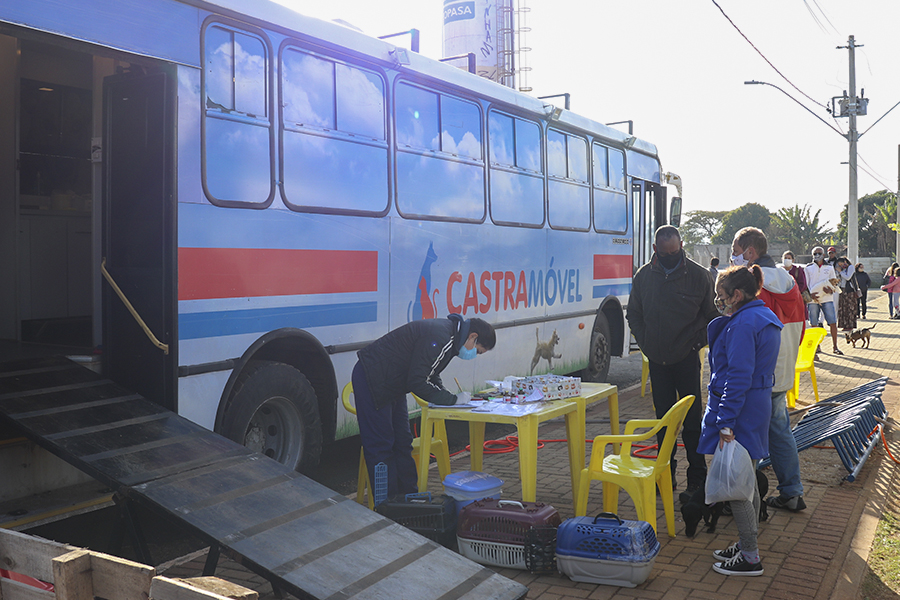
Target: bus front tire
[274, 411]
[598, 361]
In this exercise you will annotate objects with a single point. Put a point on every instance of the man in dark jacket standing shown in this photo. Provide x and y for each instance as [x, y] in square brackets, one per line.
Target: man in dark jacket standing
[408, 360]
[671, 303]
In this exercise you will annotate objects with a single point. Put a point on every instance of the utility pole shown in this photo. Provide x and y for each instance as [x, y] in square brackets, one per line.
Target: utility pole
[897, 217]
[852, 137]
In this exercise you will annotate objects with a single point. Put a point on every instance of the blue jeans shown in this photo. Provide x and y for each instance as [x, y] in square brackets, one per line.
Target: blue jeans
[827, 309]
[783, 449]
[891, 304]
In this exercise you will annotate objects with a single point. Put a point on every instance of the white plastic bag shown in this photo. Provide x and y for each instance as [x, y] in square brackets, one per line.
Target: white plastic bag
[730, 475]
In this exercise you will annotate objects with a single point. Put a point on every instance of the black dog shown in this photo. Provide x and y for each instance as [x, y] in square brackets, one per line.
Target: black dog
[696, 509]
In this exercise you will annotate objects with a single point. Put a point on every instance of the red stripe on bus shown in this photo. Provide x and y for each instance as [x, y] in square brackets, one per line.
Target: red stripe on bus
[612, 266]
[205, 273]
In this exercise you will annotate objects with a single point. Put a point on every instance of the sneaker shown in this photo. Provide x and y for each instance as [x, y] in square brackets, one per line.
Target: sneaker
[686, 495]
[739, 566]
[728, 553]
[793, 504]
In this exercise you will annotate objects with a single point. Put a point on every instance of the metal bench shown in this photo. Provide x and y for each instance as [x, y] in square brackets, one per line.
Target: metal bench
[849, 421]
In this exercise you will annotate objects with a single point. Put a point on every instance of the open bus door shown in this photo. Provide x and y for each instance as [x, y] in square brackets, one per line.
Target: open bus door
[139, 233]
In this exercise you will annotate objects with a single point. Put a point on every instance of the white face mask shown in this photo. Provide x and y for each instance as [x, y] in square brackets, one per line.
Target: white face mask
[739, 260]
[788, 262]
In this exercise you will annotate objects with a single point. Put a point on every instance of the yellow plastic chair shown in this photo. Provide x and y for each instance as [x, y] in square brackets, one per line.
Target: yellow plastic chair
[639, 477]
[645, 368]
[364, 493]
[645, 373]
[812, 337]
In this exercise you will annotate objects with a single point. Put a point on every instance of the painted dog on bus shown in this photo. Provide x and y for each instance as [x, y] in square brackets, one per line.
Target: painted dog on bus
[545, 350]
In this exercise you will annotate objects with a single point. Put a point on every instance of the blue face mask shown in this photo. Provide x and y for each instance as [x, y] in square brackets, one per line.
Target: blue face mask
[466, 354]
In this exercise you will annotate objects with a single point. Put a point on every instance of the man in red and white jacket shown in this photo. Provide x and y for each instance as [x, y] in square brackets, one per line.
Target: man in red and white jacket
[781, 294]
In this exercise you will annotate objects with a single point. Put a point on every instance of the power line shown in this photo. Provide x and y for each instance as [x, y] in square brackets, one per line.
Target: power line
[881, 183]
[766, 59]
[859, 156]
[816, 18]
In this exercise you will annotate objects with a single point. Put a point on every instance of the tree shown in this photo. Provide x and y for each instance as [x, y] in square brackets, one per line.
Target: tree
[700, 226]
[798, 229]
[748, 215]
[876, 212]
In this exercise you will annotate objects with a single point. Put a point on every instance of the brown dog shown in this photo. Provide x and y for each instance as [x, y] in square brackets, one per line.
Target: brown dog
[859, 335]
[545, 350]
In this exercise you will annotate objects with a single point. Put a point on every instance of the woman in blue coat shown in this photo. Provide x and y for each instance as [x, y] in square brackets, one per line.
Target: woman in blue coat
[743, 350]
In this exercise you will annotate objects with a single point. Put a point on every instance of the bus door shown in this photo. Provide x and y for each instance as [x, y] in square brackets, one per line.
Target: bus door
[648, 205]
[139, 233]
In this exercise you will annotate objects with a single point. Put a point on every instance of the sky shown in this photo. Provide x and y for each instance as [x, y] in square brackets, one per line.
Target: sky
[677, 69]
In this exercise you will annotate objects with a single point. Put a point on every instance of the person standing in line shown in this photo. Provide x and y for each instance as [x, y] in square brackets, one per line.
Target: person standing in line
[714, 267]
[795, 271]
[409, 360]
[864, 282]
[743, 352]
[847, 300]
[818, 272]
[889, 278]
[670, 305]
[832, 260]
[893, 290]
[781, 294]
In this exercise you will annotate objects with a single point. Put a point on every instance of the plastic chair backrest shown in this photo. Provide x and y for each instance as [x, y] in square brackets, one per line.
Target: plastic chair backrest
[672, 421]
[812, 337]
[345, 398]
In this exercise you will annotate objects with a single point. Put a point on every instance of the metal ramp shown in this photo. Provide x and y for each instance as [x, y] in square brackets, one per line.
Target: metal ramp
[849, 421]
[307, 539]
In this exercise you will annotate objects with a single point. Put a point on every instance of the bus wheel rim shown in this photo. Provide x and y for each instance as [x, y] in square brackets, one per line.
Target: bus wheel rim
[276, 430]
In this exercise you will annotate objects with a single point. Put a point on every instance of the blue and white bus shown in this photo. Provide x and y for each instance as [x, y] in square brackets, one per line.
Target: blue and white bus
[272, 192]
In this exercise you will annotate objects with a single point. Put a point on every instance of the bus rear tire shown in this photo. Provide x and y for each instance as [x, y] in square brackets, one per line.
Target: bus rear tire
[600, 356]
[274, 411]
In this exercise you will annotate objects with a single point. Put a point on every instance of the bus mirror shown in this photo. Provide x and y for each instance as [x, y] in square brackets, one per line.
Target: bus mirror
[675, 212]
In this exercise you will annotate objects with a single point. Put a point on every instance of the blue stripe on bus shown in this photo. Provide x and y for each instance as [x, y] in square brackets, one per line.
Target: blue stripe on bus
[616, 289]
[235, 322]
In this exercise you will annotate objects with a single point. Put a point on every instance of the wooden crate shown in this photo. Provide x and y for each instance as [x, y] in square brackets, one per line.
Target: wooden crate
[79, 574]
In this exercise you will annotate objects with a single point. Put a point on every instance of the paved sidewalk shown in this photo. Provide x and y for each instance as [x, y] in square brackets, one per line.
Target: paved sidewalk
[817, 554]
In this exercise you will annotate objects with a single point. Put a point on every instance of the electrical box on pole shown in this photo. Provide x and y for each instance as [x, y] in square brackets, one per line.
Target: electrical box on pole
[844, 106]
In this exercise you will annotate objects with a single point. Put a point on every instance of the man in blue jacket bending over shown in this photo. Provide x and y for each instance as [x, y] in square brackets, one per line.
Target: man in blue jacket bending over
[408, 360]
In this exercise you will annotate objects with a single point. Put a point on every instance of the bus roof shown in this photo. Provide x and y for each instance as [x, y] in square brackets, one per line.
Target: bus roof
[351, 39]
[156, 28]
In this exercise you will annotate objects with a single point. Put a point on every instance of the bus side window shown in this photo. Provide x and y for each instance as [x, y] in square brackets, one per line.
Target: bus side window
[568, 195]
[601, 166]
[517, 183]
[237, 130]
[440, 165]
[335, 156]
[617, 169]
[610, 207]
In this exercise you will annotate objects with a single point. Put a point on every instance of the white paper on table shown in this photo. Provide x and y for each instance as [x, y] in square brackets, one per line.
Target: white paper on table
[535, 396]
[516, 410]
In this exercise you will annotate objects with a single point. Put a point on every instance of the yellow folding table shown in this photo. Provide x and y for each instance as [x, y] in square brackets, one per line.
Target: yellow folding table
[573, 409]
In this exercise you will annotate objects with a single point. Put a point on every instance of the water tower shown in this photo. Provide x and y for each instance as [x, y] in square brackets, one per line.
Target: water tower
[494, 31]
